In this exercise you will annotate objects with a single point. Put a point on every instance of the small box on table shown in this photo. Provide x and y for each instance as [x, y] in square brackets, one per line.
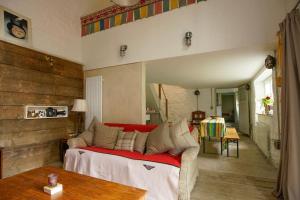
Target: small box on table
[53, 190]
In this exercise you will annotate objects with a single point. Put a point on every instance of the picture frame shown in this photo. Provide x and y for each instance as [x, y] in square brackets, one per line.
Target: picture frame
[15, 28]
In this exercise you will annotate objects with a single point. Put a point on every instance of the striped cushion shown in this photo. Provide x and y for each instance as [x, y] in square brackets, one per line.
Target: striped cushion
[125, 141]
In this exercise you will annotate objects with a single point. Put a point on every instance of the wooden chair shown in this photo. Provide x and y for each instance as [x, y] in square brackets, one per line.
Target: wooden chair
[197, 117]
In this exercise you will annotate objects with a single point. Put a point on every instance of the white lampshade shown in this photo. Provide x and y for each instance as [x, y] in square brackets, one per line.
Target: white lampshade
[80, 105]
[125, 3]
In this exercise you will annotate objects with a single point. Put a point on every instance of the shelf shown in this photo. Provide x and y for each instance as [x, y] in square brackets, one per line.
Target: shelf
[45, 112]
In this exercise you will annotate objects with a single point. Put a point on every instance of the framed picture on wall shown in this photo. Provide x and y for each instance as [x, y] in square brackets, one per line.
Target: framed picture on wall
[14, 27]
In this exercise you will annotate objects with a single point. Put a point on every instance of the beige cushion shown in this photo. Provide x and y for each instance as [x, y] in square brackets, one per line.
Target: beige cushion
[125, 141]
[92, 125]
[87, 136]
[181, 137]
[105, 136]
[140, 141]
[159, 140]
[76, 143]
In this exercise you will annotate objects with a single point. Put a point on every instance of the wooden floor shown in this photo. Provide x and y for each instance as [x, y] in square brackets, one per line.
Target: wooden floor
[250, 177]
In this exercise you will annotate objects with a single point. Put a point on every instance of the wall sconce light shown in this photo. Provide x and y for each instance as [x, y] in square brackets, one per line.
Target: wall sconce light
[126, 3]
[270, 62]
[123, 49]
[188, 38]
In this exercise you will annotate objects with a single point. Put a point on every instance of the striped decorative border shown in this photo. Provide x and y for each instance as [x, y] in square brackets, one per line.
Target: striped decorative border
[116, 15]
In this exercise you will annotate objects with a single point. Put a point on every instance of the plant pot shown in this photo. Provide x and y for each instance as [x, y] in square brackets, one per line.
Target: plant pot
[267, 109]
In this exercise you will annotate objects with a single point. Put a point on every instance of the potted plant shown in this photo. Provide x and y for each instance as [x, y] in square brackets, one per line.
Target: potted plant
[268, 103]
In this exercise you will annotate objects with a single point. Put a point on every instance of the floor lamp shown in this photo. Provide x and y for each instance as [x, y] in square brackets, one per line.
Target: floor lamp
[80, 106]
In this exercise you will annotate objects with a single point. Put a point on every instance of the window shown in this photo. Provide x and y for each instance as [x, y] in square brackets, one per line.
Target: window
[264, 96]
[268, 86]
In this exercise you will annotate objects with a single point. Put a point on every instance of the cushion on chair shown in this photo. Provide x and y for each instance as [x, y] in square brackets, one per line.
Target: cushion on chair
[181, 137]
[105, 136]
[125, 141]
[159, 140]
[140, 141]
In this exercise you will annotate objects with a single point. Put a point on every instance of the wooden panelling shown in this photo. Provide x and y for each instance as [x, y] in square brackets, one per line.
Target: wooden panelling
[15, 126]
[20, 86]
[10, 48]
[71, 82]
[13, 98]
[16, 73]
[15, 85]
[9, 58]
[27, 78]
[12, 112]
[21, 159]
[34, 137]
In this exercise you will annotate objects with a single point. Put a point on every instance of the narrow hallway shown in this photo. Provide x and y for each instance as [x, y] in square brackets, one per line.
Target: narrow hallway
[249, 177]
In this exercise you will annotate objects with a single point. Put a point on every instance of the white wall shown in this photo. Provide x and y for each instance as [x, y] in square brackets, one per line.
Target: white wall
[55, 25]
[182, 102]
[123, 93]
[243, 104]
[216, 25]
[265, 128]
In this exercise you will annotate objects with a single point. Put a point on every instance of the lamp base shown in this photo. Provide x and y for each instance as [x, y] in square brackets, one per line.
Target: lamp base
[78, 124]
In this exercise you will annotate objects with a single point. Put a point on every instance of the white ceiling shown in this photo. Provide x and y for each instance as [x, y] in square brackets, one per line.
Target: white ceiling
[222, 69]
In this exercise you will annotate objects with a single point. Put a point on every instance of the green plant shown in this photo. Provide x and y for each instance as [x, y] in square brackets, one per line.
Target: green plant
[267, 101]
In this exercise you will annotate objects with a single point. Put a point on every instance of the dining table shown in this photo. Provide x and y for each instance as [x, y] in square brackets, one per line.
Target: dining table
[212, 127]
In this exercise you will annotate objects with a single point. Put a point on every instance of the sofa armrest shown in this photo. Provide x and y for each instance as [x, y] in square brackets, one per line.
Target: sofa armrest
[76, 143]
[190, 154]
[188, 172]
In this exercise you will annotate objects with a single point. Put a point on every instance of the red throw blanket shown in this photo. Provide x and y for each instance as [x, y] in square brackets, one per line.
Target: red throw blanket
[163, 158]
[138, 127]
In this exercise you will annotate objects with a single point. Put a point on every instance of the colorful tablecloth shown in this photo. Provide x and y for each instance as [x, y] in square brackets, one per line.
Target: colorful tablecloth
[212, 127]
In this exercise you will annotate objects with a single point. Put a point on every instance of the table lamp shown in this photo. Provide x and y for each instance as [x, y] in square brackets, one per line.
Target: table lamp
[80, 106]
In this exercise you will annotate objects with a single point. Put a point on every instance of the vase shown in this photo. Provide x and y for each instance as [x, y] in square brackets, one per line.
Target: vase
[267, 109]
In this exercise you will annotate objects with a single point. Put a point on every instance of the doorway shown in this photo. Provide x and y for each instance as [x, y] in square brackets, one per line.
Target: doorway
[228, 107]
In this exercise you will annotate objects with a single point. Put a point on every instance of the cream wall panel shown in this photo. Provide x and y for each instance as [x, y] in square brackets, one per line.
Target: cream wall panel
[123, 93]
[182, 102]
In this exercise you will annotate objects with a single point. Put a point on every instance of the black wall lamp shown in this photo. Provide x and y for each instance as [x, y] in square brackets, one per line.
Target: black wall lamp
[270, 62]
[188, 38]
[123, 49]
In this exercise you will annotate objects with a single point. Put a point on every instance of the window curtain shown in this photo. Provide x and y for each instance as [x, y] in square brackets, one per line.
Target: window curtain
[288, 184]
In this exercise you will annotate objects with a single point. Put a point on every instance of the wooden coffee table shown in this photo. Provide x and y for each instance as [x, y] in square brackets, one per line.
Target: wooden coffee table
[29, 185]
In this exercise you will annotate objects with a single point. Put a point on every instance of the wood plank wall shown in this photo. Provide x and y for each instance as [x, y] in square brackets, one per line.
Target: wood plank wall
[27, 78]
